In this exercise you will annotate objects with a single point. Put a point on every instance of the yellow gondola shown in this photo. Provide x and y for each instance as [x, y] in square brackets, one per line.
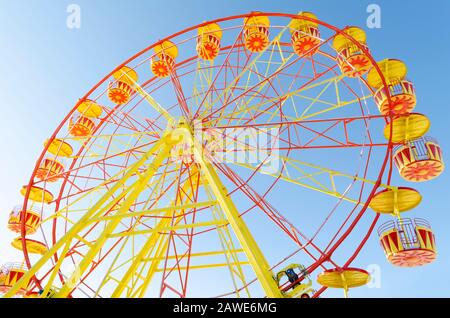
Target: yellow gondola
[395, 201]
[50, 294]
[164, 60]
[291, 275]
[30, 218]
[81, 126]
[126, 75]
[33, 246]
[37, 194]
[59, 147]
[10, 274]
[256, 33]
[407, 127]
[403, 96]
[90, 109]
[343, 278]
[305, 34]
[119, 93]
[419, 160]
[121, 90]
[208, 44]
[50, 170]
[408, 242]
[351, 58]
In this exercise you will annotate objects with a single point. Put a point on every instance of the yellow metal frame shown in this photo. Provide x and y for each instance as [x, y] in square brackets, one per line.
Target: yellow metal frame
[146, 262]
[156, 242]
[248, 243]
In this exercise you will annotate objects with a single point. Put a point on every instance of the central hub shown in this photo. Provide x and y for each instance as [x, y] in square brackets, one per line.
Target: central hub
[182, 134]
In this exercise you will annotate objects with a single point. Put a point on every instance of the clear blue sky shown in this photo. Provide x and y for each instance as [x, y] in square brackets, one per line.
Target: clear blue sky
[45, 67]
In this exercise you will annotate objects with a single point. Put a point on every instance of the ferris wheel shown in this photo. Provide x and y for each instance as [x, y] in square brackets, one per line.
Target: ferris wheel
[248, 156]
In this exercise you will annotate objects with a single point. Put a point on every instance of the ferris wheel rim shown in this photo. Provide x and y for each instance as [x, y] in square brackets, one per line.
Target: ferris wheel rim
[104, 80]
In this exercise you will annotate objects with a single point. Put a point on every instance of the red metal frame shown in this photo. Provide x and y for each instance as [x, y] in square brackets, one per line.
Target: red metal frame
[387, 163]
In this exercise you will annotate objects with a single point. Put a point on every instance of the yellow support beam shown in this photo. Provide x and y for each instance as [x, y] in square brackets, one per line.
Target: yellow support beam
[137, 261]
[150, 99]
[202, 254]
[156, 240]
[254, 255]
[298, 166]
[82, 223]
[216, 265]
[157, 244]
[156, 211]
[160, 251]
[112, 268]
[125, 206]
[171, 228]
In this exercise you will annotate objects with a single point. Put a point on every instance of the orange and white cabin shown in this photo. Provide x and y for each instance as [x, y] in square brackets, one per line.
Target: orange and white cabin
[305, 34]
[10, 274]
[81, 126]
[30, 218]
[50, 170]
[419, 160]
[121, 90]
[256, 33]
[208, 43]
[402, 93]
[352, 60]
[408, 242]
[164, 61]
